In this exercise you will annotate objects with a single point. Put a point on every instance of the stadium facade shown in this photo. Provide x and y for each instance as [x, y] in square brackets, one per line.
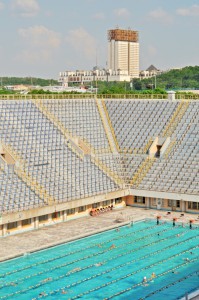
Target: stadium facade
[62, 159]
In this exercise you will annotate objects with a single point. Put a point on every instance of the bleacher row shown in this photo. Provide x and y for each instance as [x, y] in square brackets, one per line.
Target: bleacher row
[81, 118]
[134, 122]
[180, 171]
[15, 194]
[48, 159]
[50, 162]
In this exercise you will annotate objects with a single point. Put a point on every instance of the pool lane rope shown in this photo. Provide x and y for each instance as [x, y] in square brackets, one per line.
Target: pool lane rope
[115, 268]
[104, 251]
[40, 284]
[92, 265]
[75, 252]
[170, 284]
[128, 275]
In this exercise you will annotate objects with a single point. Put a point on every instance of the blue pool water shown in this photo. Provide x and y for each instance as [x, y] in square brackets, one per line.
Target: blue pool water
[110, 265]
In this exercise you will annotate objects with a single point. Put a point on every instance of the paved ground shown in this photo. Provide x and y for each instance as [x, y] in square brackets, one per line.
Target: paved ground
[19, 244]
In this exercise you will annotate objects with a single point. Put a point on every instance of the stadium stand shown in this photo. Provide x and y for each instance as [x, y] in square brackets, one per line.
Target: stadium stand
[64, 157]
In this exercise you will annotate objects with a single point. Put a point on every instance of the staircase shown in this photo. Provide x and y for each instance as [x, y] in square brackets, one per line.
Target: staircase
[108, 126]
[179, 142]
[71, 141]
[38, 189]
[169, 149]
[148, 145]
[114, 176]
[123, 167]
[142, 171]
[20, 172]
[14, 154]
[177, 116]
[78, 145]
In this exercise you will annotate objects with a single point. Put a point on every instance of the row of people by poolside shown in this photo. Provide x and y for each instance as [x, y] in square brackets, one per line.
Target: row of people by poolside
[98, 211]
[174, 222]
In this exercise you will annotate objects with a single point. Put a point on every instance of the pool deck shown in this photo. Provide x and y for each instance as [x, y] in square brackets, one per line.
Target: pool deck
[48, 236]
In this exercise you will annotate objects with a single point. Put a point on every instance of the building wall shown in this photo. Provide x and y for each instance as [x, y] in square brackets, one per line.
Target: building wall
[124, 56]
[134, 59]
[45, 217]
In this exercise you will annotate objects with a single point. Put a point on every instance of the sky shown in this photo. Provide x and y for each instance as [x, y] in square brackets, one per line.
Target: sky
[40, 38]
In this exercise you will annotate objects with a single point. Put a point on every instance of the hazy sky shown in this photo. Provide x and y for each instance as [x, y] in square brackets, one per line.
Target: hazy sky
[42, 37]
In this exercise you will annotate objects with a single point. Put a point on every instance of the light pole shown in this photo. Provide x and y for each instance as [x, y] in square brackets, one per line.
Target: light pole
[107, 75]
[131, 84]
[95, 79]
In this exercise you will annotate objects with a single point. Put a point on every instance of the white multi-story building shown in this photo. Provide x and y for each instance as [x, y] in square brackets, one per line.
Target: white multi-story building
[123, 61]
[83, 76]
[150, 72]
[123, 51]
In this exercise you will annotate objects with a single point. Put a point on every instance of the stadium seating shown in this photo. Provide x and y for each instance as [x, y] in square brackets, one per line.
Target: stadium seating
[46, 158]
[82, 119]
[179, 172]
[135, 122]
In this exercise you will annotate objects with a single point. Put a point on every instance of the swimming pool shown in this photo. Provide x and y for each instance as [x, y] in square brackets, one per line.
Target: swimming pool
[109, 265]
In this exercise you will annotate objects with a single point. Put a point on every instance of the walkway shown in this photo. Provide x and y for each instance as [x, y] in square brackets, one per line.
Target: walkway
[19, 244]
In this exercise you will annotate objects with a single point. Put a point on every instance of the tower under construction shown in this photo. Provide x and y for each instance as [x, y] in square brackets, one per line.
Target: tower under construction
[123, 51]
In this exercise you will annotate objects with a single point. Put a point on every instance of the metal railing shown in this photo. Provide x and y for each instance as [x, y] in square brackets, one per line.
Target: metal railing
[98, 96]
[142, 171]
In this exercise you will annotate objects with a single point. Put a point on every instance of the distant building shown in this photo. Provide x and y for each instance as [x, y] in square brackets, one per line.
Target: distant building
[123, 51]
[18, 87]
[123, 61]
[150, 72]
[83, 76]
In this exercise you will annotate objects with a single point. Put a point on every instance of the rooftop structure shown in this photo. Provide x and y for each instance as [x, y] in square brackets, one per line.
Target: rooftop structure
[123, 35]
[150, 72]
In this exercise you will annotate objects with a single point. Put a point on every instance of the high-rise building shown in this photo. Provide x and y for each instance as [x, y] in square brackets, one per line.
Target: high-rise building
[123, 51]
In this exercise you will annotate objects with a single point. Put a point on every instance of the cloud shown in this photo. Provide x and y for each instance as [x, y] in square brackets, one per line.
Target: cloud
[161, 15]
[189, 11]
[40, 43]
[25, 8]
[121, 12]
[82, 42]
[40, 36]
[99, 16]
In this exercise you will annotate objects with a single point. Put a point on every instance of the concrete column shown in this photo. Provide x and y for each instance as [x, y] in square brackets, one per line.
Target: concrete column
[36, 222]
[183, 205]
[19, 225]
[50, 218]
[171, 95]
[32, 222]
[64, 215]
[4, 230]
[147, 202]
